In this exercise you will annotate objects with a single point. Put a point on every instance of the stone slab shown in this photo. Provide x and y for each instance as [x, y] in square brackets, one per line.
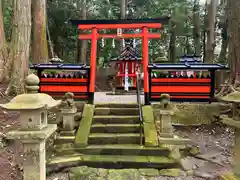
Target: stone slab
[174, 140]
[67, 133]
[32, 136]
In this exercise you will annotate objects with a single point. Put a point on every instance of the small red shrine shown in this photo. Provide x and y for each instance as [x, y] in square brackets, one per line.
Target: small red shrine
[127, 63]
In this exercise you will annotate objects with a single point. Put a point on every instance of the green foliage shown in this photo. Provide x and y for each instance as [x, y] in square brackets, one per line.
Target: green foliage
[7, 19]
[65, 36]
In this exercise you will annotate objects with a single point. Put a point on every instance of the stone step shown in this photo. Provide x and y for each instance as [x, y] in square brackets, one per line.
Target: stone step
[107, 119]
[124, 149]
[116, 111]
[114, 138]
[64, 139]
[115, 128]
[111, 161]
[116, 105]
[113, 149]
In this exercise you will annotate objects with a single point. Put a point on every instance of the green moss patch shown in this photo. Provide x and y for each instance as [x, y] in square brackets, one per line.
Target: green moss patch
[193, 113]
[87, 173]
[116, 111]
[112, 160]
[115, 128]
[149, 172]
[124, 149]
[114, 138]
[111, 119]
[81, 139]
[150, 134]
[124, 174]
[150, 131]
[170, 172]
[148, 114]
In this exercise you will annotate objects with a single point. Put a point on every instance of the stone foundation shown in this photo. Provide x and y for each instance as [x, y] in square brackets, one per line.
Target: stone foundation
[194, 114]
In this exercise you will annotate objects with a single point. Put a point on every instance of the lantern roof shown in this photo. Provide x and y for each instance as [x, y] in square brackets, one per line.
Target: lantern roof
[128, 54]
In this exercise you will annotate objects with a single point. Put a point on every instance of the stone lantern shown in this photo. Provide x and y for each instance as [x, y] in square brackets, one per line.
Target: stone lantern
[234, 122]
[34, 129]
[164, 123]
[233, 98]
[166, 112]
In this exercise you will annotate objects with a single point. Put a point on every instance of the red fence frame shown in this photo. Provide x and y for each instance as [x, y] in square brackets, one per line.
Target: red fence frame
[58, 86]
[184, 89]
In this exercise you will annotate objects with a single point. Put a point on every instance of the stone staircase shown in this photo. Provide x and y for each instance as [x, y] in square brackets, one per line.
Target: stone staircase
[115, 125]
[113, 142]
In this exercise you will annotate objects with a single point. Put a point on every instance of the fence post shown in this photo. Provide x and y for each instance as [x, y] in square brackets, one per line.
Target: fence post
[34, 128]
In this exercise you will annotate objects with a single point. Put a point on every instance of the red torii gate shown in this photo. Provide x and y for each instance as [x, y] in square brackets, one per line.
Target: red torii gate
[95, 25]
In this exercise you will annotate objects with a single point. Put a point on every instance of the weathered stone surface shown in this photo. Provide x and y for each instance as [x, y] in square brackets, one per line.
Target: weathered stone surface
[170, 172]
[125, 149]
[114, 138]
[194, 114]
[81, 139]
[149, 172]
[174, 140]
[87, 173]
[112, 119]
[116, 111]
[150, 132]
[148, 115]
[115, 128]
[117, 105]
[34, 129]
[124, 174]
[191, 163]
[33, 135]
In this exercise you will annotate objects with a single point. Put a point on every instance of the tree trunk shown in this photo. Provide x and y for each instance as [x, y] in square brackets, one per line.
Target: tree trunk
[123, 16]
[234, 39]
[40, 46]
[83, 44]
[204, 32]
[172, 42]
[3, 48]
[172, 46]
[196, 30]
[20, 44]
[212, 10]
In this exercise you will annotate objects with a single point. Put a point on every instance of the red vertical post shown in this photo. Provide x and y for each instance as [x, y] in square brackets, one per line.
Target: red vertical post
[145, 65]
[93, 65]
[134, 72]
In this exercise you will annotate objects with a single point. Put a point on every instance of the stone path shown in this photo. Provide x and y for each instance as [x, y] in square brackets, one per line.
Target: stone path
[101, 97]
[88, 173]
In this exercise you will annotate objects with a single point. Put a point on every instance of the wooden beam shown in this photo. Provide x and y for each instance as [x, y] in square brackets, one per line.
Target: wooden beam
[123, 36]
[116, 26]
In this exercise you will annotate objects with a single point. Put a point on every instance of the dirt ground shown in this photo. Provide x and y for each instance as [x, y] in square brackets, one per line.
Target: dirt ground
[215, 143]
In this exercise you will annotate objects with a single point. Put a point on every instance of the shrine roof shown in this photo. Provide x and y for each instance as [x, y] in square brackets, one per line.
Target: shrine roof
[190, 58]
[163, 20]
[66, 66]
[128, 54]
[198, 66]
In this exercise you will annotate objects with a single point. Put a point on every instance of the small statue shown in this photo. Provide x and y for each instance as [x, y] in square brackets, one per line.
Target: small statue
[68, 100]
[164, 101]
[166, 104]
[111, 76]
